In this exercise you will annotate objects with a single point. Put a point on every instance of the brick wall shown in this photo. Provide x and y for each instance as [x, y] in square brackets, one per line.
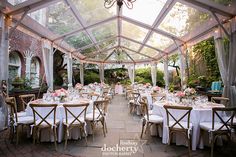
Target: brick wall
[21, 42]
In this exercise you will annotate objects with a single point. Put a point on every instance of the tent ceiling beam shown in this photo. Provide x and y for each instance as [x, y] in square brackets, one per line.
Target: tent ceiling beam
[165, 9]
[220, 24]
[200, 32]
[208, 5]
[82, 23]
[103, 51]
[98, 42]
[87, 27]
[130, 57]
[31, 5]
[17, 23]
[142, 44]
[168, 35]
[119, 22]
[138, 53]
[108, 56]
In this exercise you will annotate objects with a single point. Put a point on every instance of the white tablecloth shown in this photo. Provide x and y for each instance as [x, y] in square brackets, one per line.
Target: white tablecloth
[198, 115]
[60, 114]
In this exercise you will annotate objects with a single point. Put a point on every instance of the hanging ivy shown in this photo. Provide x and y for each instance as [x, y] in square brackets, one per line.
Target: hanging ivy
[206, 49]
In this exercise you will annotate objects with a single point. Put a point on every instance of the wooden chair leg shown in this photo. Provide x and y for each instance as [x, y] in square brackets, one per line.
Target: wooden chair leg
[147, 128]
[11, 135]
[85, 135]
[103, 127]
[17, 135]
[55, 137]
[38, 135]
[212, 148]
[106, 126]
[34, 132]
[131, 108]
[66, 137]
[92, 129]
[143, 125]
[189, 146]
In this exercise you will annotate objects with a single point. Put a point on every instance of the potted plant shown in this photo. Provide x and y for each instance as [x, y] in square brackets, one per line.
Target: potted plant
[18, 83]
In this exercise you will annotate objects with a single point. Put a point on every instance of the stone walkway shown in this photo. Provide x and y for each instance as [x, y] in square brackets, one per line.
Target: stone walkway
[123, 129]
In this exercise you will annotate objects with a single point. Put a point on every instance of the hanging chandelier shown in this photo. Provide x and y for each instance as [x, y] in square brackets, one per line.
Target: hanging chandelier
[109, 3]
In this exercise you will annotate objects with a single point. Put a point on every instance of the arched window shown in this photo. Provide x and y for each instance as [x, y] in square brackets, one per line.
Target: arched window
[34, 72]
[14, 66]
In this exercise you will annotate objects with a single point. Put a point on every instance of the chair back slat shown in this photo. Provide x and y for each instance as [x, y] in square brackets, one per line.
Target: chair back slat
[11, 102]
[100, 106]
[75, 111]
[46, 113]
[144, 109]
[135, 97]
[25, 99]
[177, 120]
[227, 122]
[221, 100]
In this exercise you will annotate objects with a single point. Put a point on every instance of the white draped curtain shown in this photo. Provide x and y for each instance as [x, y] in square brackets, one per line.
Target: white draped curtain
[69, 70]
[48, 64]
[101, 72]
[227, 62]
[81, 70]
[166, 73]
[154, 74]
[182, 68]
[131, 73]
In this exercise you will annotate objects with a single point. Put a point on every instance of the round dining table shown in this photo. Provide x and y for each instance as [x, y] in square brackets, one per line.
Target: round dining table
[60, 115]
[201, 112]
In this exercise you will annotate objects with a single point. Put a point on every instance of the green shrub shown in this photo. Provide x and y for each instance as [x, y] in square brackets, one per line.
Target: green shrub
[91, 77]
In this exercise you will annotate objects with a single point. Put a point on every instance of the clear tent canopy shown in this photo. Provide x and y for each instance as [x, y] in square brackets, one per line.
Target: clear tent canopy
[146, 33]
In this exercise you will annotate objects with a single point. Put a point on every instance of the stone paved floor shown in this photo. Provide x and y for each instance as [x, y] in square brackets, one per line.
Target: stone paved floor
[121, 126]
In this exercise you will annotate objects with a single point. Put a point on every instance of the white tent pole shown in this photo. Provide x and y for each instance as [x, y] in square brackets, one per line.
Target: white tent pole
[166, 73]
[69, 70]
[5, 22]
[81, 68]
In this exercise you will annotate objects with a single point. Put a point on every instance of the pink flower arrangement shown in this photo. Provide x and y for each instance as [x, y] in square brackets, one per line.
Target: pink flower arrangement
[78, 86]
[60, 93]
[180, 94]
[189, 91]
[156, 88]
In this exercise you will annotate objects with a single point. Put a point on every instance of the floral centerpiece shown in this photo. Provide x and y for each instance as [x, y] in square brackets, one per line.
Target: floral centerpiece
[61, 94]
[156, 89]
[189, 92]
[147, 85]
[180, 95]
[78, 86]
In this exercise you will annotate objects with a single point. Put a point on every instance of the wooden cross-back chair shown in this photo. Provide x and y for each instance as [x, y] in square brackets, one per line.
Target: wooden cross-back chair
[221, 100]
[178, 124]
[75, 119]
[221, 127]
[15, 120]
[43, 120]
[107, 95]
[84, 95]
[135, 96]
[25, 99]
[98, 115]
[157, 97]
[149, 119]
[94, 96]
